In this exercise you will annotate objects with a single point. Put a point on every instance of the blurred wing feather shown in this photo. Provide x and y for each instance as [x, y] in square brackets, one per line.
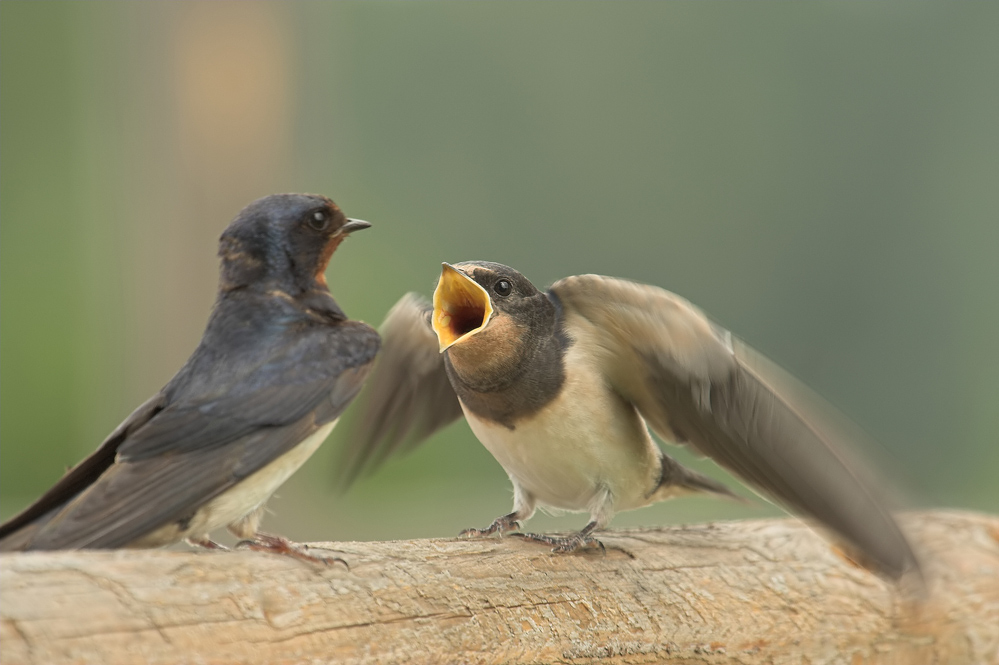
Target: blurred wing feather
[695, 384]
[408, 397]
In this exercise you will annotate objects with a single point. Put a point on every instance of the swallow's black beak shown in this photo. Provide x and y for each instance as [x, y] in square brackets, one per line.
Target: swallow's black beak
[354, 225]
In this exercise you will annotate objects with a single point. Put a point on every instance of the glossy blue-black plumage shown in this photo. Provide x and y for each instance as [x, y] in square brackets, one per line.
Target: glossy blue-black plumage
[278, 360]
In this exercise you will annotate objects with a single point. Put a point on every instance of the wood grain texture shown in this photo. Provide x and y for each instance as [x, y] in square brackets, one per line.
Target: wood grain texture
[740, 592]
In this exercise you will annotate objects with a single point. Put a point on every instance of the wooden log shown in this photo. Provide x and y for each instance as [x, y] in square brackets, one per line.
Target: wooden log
[749, 592]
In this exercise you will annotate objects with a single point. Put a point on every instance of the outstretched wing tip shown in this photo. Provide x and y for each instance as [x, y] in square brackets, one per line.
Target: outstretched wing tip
[690, 380]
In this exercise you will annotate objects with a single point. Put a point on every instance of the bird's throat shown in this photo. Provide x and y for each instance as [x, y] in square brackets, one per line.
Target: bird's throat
[324, 259]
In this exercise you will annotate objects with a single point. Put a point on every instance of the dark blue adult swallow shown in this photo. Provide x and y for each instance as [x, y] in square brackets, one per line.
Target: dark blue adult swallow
[277, 364]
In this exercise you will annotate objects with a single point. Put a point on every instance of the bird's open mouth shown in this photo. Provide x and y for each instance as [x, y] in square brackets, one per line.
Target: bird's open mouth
[461, 307]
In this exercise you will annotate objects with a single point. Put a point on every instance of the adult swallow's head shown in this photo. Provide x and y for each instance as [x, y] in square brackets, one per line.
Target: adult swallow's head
[284, 239]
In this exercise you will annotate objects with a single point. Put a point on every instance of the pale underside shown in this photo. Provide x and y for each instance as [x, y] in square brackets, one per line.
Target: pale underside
[240, 507]
[572, 457]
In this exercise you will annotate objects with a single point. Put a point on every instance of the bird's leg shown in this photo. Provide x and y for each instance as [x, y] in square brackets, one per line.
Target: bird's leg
[523, 508]
[601, 512]
[246, 528]
[573, 543]
[205, 542]
[266, 542]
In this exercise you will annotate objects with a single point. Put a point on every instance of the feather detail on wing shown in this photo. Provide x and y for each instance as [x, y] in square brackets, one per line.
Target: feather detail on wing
[76, 479]
[408, 396]
[217, 422]
[695, 384]
[133, 499]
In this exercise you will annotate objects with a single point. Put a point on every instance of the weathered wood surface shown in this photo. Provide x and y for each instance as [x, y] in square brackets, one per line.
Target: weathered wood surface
[740, 592]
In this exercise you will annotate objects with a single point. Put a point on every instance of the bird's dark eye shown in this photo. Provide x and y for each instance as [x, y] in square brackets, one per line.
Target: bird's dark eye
[319, 220]
[503, 287]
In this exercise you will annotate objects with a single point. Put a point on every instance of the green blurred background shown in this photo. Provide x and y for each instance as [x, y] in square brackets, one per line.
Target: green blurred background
[822, 178]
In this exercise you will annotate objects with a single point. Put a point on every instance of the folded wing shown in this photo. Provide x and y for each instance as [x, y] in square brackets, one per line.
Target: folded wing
[193, 442]
[695, 384]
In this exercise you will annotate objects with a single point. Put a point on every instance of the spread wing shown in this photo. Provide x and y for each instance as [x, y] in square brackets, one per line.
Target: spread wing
[217, 422]
[695, 384]
[408, 396]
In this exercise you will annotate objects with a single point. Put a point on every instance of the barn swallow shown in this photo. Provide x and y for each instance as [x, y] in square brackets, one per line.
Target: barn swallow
[562, 387]
[278, 363]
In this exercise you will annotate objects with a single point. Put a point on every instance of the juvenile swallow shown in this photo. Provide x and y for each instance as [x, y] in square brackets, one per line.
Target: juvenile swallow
[277, 364]
[562, 387]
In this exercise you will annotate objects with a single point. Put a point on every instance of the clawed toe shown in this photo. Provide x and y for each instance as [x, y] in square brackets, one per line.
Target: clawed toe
[564, 545]
[264, 542]
[500, 525]
[573, 544]
[559, 544]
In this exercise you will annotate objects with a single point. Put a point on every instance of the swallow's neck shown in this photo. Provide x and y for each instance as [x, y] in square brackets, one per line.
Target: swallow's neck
[320, 302]
[512, 368]
[272, 266]
[312, 299]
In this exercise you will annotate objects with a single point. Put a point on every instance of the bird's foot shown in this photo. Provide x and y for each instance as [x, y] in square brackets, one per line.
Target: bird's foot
[266, 542]
[206, 543]
[565, 544]
[500, 525]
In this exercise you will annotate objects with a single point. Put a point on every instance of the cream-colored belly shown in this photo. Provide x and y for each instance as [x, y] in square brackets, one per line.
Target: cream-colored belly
[585, 442]
[242, 499]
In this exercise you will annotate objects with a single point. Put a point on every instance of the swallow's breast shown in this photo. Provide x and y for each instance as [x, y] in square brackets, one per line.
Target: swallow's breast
[584, 441]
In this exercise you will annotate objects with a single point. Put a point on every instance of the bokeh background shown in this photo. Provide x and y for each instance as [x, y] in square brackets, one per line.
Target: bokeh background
[822, 178]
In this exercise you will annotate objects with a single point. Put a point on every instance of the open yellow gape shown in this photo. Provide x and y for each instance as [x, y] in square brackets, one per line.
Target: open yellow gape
[461, 307]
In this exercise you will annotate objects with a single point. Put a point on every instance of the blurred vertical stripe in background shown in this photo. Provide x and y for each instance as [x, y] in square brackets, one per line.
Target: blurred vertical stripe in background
[821, 178]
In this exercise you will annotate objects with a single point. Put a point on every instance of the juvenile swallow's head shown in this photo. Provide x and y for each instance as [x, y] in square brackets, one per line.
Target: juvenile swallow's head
[286, 239]
[487, 315]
